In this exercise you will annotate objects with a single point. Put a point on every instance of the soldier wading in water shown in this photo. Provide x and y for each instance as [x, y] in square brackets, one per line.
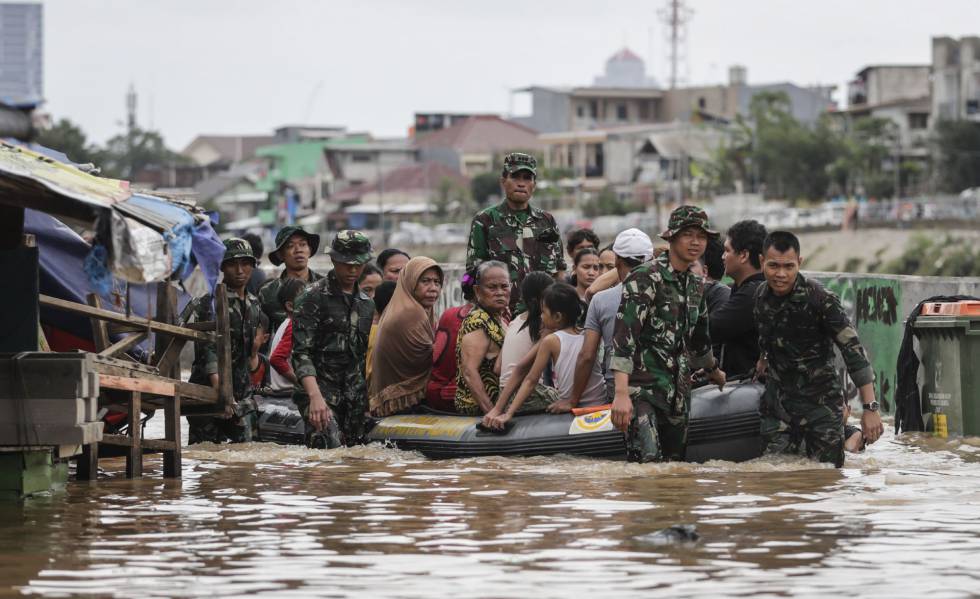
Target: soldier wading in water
[331, 323]
[799, 323]
[661, 335]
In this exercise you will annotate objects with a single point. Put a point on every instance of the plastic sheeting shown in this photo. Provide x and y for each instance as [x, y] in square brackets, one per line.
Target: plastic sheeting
[61, 256]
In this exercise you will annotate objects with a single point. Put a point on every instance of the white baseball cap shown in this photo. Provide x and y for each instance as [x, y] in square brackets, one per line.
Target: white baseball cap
[633, 243]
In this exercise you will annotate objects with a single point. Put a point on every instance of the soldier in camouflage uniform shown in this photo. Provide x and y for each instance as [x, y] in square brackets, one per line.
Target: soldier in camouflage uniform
[799, 323]
[294, 248]
[331, 323]
[661, 335]
[521, 236]
[244, 314]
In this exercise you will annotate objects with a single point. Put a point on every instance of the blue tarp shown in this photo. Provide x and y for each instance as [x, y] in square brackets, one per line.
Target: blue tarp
[61, 253]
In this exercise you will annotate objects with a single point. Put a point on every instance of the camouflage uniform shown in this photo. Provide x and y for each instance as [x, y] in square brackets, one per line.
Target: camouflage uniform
[244, 316]
[269, 291]
[268, 297]
[525, 241]
[804, 402]
[661, 336]
[330, 336]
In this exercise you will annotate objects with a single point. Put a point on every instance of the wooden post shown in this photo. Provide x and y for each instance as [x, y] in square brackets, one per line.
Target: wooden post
[87, 466]
[172, 459]
[134, 459]
[225, 389]
[166, 313]
[100, 330]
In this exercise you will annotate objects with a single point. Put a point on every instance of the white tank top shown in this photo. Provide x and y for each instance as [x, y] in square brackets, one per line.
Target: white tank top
[595, 390]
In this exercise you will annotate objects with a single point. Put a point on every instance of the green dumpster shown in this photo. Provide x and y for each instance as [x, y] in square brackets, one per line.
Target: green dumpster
[949, 347]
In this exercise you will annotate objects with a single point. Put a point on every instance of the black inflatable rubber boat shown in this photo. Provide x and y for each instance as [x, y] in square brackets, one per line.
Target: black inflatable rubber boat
[724, 425]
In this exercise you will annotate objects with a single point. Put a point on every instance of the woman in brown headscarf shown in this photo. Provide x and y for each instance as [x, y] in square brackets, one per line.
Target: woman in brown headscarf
[402, 357]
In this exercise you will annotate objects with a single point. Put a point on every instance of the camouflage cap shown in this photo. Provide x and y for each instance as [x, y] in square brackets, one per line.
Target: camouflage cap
[687, 216]
[283, 236]
[519, 161]
[236, 247]
[350, 247]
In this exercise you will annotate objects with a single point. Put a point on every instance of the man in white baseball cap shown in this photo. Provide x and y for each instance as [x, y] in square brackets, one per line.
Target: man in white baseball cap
[632, 248]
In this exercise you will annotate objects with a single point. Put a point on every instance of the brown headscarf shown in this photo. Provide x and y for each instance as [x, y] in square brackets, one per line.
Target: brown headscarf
[403, 348]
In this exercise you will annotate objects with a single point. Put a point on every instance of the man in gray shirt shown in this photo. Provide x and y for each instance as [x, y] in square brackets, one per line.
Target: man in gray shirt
[632, 248]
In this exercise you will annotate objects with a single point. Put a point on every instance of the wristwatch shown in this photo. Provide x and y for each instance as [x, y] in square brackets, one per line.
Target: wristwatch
[870, 407]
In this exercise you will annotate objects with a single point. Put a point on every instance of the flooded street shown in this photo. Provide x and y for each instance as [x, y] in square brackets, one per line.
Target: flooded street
[372, 521]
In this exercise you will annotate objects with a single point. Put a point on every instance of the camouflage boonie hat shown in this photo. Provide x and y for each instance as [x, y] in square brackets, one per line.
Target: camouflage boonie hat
[350, 247]
[519, 161]
[283, 236]
[687, 216]
[236, 247]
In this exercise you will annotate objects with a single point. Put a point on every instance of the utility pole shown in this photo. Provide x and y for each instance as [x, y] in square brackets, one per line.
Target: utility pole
[675, 15]
[130, 128]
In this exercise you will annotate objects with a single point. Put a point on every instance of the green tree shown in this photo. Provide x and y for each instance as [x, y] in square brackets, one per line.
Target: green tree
[128, 153]
[68, 138]
[607, 203]
[958, 149]
[483, 186]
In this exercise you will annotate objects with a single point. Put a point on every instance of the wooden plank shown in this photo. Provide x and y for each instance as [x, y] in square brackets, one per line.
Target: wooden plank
[134, 460]
[160, 445]
[168, 360]
[115, 317]
[172, 465]
[200, 393]
[117, 440]
[100, 331]
[200, 326]
[124, 344]
[225, 389]
[136, 384]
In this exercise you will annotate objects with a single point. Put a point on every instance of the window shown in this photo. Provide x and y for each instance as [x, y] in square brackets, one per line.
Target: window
[580, 111]
[702, 103]
[361, 157]
[918, 120]
[621, 112]
[593, 108]
[644, 110]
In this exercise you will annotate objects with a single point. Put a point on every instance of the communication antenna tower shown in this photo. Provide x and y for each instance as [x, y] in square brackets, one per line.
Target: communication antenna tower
[676, 15]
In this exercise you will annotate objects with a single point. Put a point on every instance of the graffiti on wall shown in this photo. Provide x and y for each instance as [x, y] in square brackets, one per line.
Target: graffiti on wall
[873, 304]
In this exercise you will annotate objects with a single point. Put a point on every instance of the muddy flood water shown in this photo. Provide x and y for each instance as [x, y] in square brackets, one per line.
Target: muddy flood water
[902, 520]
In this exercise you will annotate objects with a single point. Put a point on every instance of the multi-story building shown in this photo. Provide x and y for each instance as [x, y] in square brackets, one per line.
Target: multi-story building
[624, 95]
[956, 78]
[21, 54]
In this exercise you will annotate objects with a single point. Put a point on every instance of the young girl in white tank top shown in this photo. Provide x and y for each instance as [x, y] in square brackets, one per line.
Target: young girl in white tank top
[559, 312]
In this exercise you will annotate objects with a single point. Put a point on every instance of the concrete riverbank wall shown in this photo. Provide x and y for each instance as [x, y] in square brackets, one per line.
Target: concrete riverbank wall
[877, 304]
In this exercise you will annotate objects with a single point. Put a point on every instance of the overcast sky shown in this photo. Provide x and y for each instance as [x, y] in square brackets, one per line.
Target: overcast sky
[247, 66]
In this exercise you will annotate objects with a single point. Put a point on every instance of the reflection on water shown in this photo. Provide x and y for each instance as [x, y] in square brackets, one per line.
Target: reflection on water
[374, 521]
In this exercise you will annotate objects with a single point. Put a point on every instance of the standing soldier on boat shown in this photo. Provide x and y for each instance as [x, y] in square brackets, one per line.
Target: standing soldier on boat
[294, 248]
[799, 323]
[238, 425]
[661, 336]
[331, 323]
[523, 237]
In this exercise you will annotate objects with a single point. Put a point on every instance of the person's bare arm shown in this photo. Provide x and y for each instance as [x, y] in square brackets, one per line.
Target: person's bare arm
[473, 349]
[605, 281]
[871, 424]
[517, 375]
[319, 414]
[548, 348]
[622, 407]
